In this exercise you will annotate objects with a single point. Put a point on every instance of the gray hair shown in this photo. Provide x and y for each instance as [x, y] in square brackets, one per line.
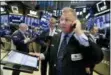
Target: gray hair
[22, 24]
[68, 9]
[93, 28]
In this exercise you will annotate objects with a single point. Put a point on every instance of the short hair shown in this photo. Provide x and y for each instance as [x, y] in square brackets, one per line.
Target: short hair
[22, 24]
[53, 19]
[68, 9]
[91, 28]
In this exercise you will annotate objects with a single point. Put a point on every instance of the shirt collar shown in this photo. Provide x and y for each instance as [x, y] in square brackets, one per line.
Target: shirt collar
[21, 31]
[69, 35]
[53, 29]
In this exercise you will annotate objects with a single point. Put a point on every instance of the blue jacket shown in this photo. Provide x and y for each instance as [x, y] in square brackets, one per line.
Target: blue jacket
[18, 40]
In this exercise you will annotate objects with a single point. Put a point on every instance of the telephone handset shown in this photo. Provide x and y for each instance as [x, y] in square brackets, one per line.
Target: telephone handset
[73, 26]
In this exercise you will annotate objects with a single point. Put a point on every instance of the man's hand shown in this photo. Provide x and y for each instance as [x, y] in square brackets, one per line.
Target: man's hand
[26, 40]
[47, 43]
[40, 55]
[35, 54]
[78, 29]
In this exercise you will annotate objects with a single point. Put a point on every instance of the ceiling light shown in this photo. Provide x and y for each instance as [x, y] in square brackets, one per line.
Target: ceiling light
[84, 10]
[80, 13]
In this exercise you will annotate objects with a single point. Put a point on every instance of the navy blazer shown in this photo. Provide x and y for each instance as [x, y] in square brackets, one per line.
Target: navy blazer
[18, 40]
[69, 67]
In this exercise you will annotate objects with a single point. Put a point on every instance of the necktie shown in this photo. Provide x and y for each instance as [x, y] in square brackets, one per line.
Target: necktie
[61, 54]
[62, 46]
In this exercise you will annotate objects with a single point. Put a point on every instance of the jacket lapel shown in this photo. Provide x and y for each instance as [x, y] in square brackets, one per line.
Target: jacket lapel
[72, 41]
[56, 43]
[21, 34]
[68, 45]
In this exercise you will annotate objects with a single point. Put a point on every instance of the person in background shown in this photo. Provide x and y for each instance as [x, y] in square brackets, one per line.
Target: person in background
[94, 33]
[33, 45]
[21, 40]
[94, 37]
[5, 33]
[104, 38]
[99, 37]
[45, 39]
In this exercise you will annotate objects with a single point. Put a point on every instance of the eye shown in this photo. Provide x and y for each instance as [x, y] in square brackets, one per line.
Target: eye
[67, 20]
[61, 19]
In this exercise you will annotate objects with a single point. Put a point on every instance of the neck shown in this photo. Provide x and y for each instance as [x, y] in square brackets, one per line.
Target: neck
[21, 30]
[68, 32]
[51, 28]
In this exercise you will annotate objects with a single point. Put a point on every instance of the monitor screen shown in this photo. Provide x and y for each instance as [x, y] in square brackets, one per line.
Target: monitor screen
[3, 10]
[35, 22]
[23, 59]
[107, 18]
[101, 6]
[16, 18]
[28, 20]
[4, 19]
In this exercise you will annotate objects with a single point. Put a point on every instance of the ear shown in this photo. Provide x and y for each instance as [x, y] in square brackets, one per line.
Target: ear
[74, 22]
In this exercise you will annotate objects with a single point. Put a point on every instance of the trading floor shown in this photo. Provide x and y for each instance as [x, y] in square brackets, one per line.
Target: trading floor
[69, 37]
[8, 72]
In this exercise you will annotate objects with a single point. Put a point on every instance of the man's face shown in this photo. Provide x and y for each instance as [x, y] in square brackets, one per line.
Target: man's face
[66, 21]
[95, 30]
[52, 22]
[24, 28]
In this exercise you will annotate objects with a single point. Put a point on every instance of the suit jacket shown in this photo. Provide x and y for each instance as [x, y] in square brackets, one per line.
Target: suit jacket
[44, 38]
[69, 67]
[18, 40]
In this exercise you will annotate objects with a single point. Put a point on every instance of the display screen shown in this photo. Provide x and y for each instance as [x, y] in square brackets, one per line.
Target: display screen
[28, 20]
[22, 59]
[45, 21]
[31, 21]
[90, 23]
[102, 20]
[101, 6]
[4, 19]
[16, 18]
[34, 21]
[107, 18]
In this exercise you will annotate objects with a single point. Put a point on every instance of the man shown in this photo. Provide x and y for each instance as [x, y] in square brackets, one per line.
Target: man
[5, 37]
[20, 39]
[94, 33]
[65, 56]
[45, 38]
[96, 54]
[94, 36]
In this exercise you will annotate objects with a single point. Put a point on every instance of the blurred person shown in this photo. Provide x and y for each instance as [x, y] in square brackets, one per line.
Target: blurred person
[104, 38]
[94, 33]
[94, 36]
[99, 37]
[5, 33]
[21, 40]
[34, 46]
[45, 39]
